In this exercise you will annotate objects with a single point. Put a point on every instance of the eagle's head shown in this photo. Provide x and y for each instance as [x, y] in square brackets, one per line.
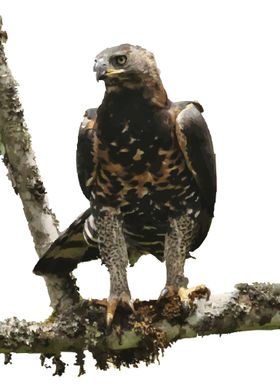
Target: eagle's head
[126, 66]
[131, 67]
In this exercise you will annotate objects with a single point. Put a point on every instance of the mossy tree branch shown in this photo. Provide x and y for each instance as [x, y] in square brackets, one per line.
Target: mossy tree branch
[141, 337]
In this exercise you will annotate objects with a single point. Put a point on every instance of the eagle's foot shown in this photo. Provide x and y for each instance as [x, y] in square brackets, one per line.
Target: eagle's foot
[187, 295]
[113, 302]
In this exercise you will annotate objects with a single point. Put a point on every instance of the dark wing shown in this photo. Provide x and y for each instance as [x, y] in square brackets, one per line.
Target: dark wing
[68, 250]
[196, 144]
[85, 151]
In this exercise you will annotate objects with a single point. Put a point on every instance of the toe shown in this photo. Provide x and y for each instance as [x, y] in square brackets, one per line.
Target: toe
[125, 299]
[183, 294]
[113, 302]
[167, 292]
[198, 292]
[187, 295]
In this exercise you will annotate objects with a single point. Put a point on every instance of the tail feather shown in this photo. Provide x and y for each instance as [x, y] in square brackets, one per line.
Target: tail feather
[69, 249]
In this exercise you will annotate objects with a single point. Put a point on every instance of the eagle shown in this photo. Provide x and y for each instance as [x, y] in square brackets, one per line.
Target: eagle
[147, 167]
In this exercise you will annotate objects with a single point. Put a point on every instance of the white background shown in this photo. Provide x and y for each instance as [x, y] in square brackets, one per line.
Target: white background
[224, 54]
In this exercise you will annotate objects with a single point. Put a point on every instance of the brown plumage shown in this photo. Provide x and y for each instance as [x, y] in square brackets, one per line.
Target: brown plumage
[148, 167]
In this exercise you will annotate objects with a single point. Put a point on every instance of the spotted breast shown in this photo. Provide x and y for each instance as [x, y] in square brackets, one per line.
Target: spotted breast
[140, 170]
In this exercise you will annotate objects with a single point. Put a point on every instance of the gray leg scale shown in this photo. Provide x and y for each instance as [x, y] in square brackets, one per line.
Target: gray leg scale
[113, 251]
[176, 249]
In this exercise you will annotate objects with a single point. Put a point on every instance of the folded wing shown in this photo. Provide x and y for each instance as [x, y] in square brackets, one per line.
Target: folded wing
[196, 144]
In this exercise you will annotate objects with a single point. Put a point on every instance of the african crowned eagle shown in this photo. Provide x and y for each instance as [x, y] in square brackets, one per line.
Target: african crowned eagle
[147, 166]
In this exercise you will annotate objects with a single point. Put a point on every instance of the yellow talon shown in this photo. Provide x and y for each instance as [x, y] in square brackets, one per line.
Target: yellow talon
[193, 293]
[113, 302]
[186, 295]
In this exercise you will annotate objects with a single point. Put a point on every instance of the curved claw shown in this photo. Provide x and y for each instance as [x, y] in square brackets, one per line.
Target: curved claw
[163, 293]
[111, 309]
[167, 292]
[113, 302]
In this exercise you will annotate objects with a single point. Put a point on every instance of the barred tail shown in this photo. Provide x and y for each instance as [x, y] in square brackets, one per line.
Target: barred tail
[76, 244]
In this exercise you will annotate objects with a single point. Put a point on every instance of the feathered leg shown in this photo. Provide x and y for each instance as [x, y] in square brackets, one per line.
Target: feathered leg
[177, 246]
[113, 252]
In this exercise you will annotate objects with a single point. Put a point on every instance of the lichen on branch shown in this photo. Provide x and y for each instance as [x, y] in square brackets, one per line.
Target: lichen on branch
[143, 336]
[19, 158]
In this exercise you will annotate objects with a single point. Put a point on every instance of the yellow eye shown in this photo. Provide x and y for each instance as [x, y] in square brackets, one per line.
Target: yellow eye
[121, 60]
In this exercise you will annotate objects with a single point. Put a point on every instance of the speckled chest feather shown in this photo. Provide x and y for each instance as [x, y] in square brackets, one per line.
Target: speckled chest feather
[141, 169]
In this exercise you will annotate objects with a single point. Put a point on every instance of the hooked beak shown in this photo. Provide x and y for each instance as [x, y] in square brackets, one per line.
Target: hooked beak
[104, 71]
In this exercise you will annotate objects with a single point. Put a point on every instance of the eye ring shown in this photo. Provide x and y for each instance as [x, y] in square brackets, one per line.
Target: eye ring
[121, 60]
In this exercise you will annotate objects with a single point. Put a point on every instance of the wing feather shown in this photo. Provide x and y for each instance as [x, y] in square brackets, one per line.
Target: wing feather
[67, 250]
[85, 159]
[196, 144]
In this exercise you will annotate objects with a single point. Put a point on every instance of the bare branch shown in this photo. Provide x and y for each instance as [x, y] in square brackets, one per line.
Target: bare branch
[143, 336]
